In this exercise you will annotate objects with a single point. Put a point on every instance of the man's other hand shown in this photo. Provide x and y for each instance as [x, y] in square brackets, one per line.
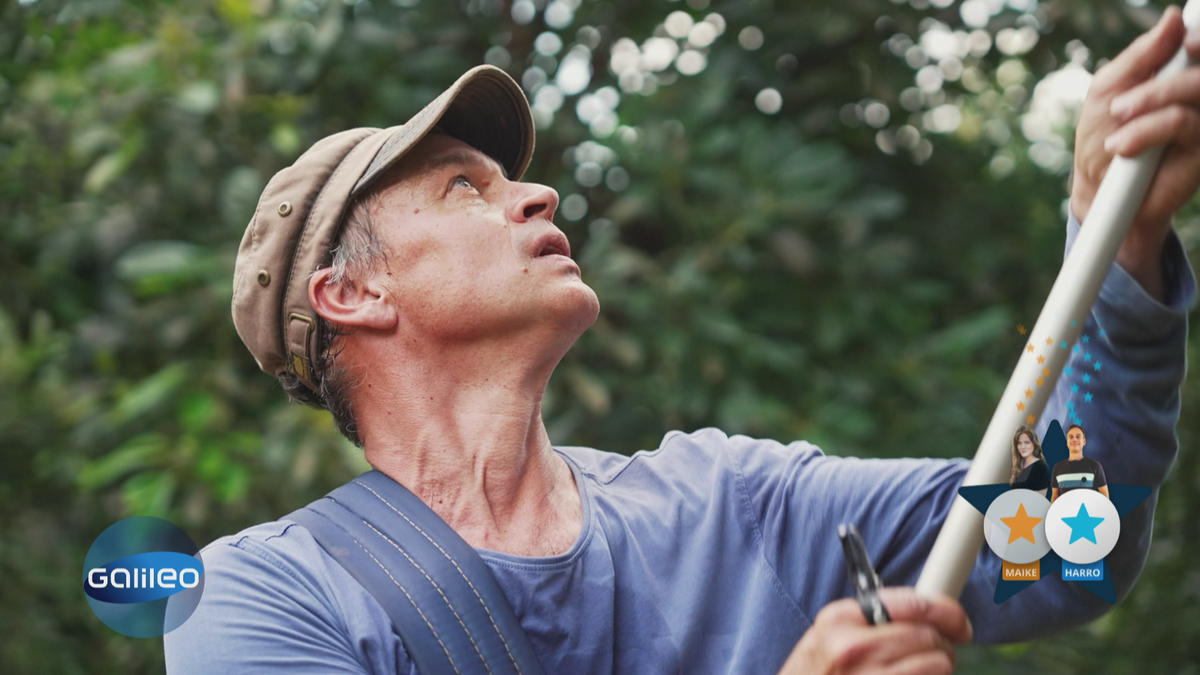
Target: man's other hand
[1126, 112]
[919, 641]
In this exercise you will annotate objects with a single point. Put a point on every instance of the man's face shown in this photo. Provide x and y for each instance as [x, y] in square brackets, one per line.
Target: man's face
[471, 254]
[1075, 440]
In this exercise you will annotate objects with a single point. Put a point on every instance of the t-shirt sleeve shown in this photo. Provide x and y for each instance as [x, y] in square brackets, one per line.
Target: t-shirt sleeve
[1039, 476]
[1099, 480]
[268, 607]
[800, 496]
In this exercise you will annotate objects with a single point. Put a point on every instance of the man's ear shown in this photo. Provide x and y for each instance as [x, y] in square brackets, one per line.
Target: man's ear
[359, 304]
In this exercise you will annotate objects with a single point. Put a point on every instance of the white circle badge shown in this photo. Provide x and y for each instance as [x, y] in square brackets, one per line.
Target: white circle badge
[1082, 526]
[1015, 526]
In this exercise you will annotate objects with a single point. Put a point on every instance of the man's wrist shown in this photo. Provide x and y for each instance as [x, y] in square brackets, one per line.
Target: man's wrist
[1141, 257]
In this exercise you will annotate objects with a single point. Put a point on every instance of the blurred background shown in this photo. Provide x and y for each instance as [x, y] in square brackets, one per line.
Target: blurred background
[820, 220]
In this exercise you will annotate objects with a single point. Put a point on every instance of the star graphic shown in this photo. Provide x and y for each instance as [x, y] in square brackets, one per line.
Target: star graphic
[1087, 377]
[1075, 349]
[1087, 356]
[1041, 359]
[1049, 341]
[1101, 332]
[1083, 526]
[1097, 365]
[1045, 372]
[1074, 389]
[1087, 398]
[1021, 406]
[1074, 323]
[1021, 328]
[1030, 348]
[1070, 404]
[1040, 381]
[1124, 497]
[1067, 370]
[1030, 419]
[1021, 525]
[1028, 393]
[1085, 339]
[1063, 345]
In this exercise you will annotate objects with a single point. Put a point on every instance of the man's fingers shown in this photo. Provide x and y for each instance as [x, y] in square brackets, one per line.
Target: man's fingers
[903, 604]
[1154, 94]
[1173, 124]
[929, 663]
[1144, 56]
[882, 645]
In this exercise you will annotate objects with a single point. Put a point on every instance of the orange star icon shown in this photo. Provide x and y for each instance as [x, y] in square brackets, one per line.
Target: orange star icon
[1046, 372]
[1049, 341]
[1021, 328]
[1041, 359]
[1021, 406]
[1030, 419]
[1021, 525]
[1040, 381]
[1028, 393]
[1030, 348]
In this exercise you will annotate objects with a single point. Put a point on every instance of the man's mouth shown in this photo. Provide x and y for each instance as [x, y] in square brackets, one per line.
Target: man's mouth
[553, 243]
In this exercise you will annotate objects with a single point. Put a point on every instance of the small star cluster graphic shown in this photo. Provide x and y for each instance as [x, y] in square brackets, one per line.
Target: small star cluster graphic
[1082, 370]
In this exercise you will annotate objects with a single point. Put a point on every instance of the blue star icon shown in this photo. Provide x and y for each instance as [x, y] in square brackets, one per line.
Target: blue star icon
[1075, 349]
[1087, 356]
[1087, 378]
[1074, 389]
[1063, 345]
[1067, 370]
[1087, 398]
[1097, 365]
[1074, 323]
[1070, 404]
[1101, 332]
[1083, 526]
[1085, 339]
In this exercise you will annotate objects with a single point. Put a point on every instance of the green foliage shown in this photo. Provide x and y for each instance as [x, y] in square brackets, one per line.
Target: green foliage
[793, 240]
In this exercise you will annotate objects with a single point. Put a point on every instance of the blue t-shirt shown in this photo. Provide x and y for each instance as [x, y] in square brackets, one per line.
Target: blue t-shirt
[713, 553]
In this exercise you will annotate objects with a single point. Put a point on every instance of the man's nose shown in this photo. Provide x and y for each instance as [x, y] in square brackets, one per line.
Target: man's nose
[535, 201]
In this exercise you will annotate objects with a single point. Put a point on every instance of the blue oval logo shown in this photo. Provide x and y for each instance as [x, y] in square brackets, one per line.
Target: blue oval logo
[143, 577]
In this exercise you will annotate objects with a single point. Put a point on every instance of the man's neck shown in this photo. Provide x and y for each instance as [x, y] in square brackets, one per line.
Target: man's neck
[1075, 455]
[467, 437]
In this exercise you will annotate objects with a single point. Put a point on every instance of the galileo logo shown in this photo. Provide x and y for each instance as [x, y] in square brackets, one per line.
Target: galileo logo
[143, 577]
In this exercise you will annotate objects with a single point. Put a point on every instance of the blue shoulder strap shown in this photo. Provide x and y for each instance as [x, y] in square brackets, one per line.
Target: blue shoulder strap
[447, 608]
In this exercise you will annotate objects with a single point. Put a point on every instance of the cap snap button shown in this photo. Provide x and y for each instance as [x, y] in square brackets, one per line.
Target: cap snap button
[284, 209]
[264, 277]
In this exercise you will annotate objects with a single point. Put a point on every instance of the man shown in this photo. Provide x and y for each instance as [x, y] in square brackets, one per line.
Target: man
[405, 280]
[1077, 472]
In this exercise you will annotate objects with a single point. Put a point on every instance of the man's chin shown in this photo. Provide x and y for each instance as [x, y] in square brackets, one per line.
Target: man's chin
[581, 308]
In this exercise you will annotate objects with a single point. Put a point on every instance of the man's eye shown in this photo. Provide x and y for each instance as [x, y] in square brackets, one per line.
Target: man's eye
[461, 181]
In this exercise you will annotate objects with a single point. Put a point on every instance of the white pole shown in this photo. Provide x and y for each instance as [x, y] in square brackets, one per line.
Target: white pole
[1071, 299]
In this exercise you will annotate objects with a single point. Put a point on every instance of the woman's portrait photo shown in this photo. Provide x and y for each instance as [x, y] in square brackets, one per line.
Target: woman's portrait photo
[1029, 468]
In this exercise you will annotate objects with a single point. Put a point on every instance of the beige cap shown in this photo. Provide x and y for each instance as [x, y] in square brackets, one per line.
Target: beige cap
[297, 217]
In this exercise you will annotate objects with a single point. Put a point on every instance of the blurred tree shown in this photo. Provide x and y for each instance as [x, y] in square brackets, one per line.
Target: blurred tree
[819, 220]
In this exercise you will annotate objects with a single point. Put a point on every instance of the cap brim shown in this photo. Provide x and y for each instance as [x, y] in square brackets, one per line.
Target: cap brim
[485, 109]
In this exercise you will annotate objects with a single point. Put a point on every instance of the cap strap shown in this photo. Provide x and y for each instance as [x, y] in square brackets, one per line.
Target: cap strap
[300, 340]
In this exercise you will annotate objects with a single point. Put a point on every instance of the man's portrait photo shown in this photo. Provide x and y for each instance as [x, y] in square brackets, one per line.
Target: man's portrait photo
[1077, 472]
